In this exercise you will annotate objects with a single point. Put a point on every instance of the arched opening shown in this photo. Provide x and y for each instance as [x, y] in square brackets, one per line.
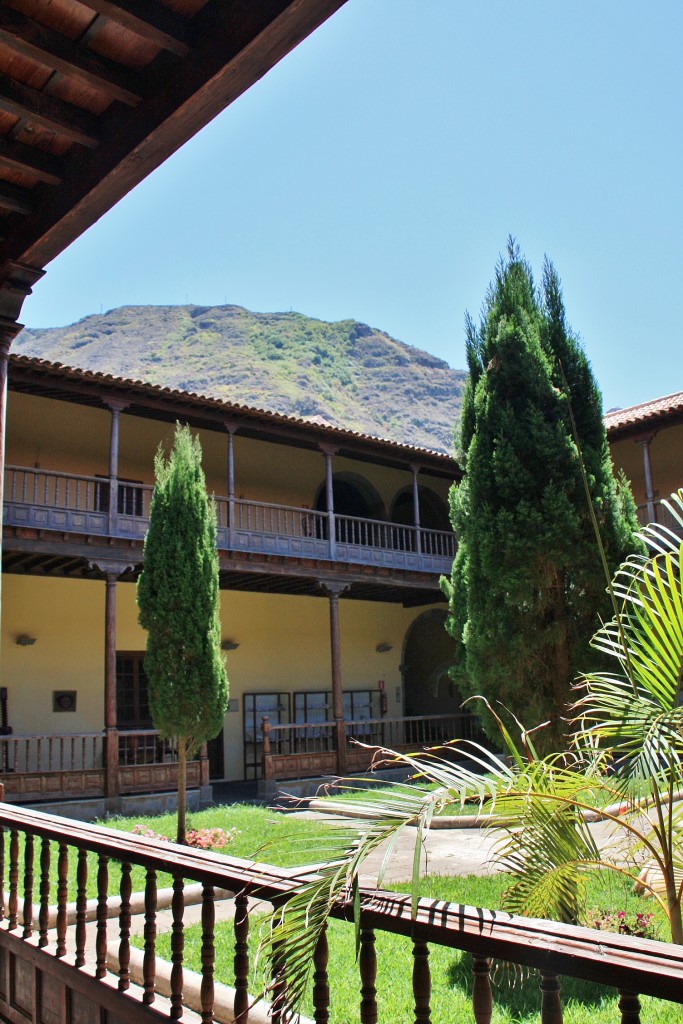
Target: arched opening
[428, 653]
[433, 509]
[353, 496]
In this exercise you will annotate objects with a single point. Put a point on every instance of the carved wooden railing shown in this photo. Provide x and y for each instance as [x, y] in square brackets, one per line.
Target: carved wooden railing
[47, 499]
[45, 962]
[305, 749]
[662, 515]
[34, 767]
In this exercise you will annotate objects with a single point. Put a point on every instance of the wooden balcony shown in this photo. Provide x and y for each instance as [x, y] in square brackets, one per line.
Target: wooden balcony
[37, 768]
[54, 970]
[72, 504]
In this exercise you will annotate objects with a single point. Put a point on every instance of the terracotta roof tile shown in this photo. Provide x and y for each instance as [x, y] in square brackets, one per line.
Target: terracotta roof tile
[316, 427]
[646, 413]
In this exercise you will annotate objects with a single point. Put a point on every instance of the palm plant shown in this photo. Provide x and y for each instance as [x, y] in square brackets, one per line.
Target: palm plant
[624, 767]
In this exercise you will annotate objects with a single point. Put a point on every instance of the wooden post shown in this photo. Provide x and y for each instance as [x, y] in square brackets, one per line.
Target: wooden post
[333, 591]
[416, 509]
[231, 483]
[111, 779]
[328, 452]
[16, 281]
[116, 409]
[645, 441]
[203, 765]
[265, 751]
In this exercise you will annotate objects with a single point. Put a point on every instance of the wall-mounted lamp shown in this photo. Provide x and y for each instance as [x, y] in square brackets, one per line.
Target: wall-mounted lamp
[24, 640]
[229, 645]
[383, 648]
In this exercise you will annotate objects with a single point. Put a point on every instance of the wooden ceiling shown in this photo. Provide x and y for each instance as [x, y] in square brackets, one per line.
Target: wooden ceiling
[94, 94]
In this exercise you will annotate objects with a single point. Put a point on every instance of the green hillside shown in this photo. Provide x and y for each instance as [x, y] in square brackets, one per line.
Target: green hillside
[346, 373]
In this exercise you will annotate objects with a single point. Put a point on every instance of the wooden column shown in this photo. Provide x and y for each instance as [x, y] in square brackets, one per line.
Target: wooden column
[111, 570]
[328, 452]
[111, 741]
[116, 408]
[416, 509]
[16, 281]
[645, 442]
[231, 482]
[333, 591]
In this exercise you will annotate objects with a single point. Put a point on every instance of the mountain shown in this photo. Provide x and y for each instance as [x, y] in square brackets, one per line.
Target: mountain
[346, 373]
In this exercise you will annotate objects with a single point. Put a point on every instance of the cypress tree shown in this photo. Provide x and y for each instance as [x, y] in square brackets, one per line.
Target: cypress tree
[178, 602]
[528, 588]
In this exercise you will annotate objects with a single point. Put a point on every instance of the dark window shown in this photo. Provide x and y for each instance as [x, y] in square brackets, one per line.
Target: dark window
[256, 705]
[132, 706]
[129, 500]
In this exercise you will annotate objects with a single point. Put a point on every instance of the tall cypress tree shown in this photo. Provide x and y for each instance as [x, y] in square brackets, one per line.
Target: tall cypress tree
[527, 588]
[178, 602]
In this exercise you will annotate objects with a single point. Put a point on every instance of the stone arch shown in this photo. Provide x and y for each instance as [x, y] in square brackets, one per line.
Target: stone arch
[428, 652]
[353, 496]
[433, 509]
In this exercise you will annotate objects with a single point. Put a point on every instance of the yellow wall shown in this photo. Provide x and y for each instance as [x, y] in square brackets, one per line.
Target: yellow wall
[284, 645]
[48, 434]
[666, 461]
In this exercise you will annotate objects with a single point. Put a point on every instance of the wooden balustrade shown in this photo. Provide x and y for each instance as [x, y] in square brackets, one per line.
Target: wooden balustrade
[299, 749]
[60, 964]
[49, 499]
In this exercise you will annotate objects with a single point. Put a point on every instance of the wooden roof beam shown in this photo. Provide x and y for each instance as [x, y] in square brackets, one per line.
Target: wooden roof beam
[45, 111]
[15, 199]
[28, 160]
[147, 19]
[55, 51]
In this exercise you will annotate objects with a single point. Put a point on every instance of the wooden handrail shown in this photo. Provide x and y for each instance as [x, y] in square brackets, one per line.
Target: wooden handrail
[630, 964]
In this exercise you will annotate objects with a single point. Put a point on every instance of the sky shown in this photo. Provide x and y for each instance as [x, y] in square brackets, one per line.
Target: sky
[376, 173]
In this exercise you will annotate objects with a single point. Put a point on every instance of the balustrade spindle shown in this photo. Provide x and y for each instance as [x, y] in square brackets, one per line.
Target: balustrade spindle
[124, 927]
[629, 1007]
[46, 492]
[208, 953]
[241, 961]
[49, 754]
[422, 982]
[367, 961]
[177, 946]
[13, 878]
[28, 886]
[44, 912]
[551, 1007]
[72, 762]
[321, 986]
[67, 493]
[81, 902]
[39, 754]
[60, 766]
[150, 934]
[62, 897]
[482, 996]
[101, 916]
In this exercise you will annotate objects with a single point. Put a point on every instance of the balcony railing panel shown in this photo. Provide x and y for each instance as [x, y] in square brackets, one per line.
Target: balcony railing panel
[36, 939]
[662, 515]
[34, 767]
[306, 749]
[51, 500]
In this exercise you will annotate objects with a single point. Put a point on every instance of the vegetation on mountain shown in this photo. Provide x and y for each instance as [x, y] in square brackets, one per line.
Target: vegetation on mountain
[345, 373]
[528, 588]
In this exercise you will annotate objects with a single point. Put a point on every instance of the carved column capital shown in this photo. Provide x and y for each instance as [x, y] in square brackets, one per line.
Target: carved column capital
[16, 281]
[116, 404]
[110, 568]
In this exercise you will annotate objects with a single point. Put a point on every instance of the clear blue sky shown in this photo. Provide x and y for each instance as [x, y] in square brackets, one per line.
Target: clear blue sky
[377, 171]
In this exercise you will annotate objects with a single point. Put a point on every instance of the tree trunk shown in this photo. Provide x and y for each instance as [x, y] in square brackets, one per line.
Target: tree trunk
[674, 907]
[182, 791]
